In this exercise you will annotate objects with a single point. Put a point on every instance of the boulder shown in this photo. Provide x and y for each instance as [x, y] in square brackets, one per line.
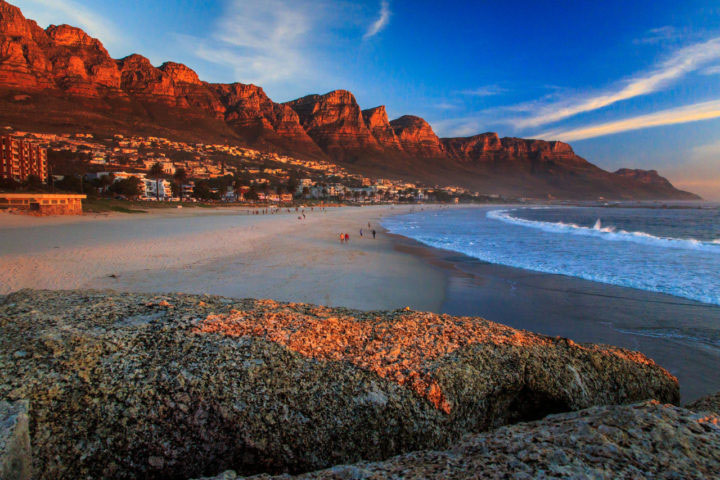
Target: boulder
[709, 403]
[645, 440]
[15, 453]
[179, 386]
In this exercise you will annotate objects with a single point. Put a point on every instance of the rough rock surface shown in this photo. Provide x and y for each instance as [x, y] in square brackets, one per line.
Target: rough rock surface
[15, 452]
[710, 403]
[334, 121]
[642, 441]
[649, 179]
[417, 137]
[171, 386]
[260, 121]
[377, 122]
[62, 80]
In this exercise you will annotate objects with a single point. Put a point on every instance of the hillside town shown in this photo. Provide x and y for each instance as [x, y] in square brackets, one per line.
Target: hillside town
[154, 168]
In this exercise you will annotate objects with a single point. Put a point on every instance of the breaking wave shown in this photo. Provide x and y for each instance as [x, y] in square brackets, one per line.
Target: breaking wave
[566, 242]
[607, 232]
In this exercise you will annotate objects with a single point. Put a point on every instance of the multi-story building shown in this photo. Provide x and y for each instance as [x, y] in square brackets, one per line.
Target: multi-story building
[19, 159]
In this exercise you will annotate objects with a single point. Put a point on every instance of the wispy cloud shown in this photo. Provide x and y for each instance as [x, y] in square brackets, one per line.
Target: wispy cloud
[714, 70]
[484, 91]
[446, 106]
[685, 114]
[263, 41]
[381, 22]
[679, 64]
[658, 35]
[47, 12]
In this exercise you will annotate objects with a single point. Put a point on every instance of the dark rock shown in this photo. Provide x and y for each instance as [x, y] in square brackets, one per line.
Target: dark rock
[15, 451]
[645, 440]
[709, 403]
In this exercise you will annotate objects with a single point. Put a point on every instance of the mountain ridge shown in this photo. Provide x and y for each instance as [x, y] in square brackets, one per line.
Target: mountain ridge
[61, 78]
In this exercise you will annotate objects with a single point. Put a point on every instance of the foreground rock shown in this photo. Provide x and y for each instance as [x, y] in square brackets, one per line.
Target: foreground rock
[645, 440]
[15, 453]
[710, 403]
[180, 386]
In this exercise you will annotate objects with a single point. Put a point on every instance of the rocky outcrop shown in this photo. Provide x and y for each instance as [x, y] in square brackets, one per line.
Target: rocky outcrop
[262, 122]
[15, 451]
[179, 386]
[81, 65]
[334, 121]
[23, 64]
[710, 403]
[417, 137]
[377, 122]
[645, 440]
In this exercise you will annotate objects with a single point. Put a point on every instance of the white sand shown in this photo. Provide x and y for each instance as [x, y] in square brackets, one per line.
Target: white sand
[221, 251]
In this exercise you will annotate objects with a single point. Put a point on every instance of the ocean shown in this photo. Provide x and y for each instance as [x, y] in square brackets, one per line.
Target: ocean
[675, 251]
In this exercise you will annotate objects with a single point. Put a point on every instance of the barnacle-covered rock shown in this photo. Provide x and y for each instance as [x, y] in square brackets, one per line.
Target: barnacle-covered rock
[178, 386]
[645, 440]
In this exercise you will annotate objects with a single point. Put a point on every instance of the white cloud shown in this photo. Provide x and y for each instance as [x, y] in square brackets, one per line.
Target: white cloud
[660, 34]
[680, 63]
[446, 106]
[685, 114]
[47, 12]
[484, 91]
[264, 42]
[381, 22]
[714, 70]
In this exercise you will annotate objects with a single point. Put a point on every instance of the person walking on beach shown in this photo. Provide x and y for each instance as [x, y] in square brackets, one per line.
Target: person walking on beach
[373, 234]
[347, 237]
[361, 232]
[342, 238]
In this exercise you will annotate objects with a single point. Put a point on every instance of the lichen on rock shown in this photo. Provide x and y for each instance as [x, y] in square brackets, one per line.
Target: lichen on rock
[179, 386]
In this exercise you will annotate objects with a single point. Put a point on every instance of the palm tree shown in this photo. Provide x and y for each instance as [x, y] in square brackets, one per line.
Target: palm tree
[237, 188]
[180, 176]
[156, 172]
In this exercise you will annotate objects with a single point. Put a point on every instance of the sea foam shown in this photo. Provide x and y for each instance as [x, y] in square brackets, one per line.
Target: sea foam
[606, 233]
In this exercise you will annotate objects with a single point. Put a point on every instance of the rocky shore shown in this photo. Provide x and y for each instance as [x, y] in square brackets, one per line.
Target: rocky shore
[181, 386]
[644, 440]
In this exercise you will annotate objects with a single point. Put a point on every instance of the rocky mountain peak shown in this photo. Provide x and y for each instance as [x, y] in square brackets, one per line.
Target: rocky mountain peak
[180, 73]
[417, 137]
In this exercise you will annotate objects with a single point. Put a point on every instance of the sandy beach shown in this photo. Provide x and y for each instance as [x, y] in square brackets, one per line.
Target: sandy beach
[222, 251]
[230, 252]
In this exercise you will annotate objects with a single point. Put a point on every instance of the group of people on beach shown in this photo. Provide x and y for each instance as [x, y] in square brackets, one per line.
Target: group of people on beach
[345, 237]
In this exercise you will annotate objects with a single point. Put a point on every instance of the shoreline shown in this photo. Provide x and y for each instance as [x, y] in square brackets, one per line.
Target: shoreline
[582, 310]
[235, 254]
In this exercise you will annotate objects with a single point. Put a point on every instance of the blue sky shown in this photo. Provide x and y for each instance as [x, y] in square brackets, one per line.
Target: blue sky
[633, 84]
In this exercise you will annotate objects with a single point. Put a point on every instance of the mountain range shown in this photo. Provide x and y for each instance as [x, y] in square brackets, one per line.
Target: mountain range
[60, 79]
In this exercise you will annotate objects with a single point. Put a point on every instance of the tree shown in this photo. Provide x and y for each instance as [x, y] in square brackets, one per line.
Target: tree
[292, 183]
[105, 181]
[8, 184]
[156, 172]
[180, 176]
[130, 187]
[251, 194]
[202, 191]
[33, 182]
[237, 188]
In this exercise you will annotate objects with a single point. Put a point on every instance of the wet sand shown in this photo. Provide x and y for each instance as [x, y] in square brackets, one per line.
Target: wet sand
[681, 335]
